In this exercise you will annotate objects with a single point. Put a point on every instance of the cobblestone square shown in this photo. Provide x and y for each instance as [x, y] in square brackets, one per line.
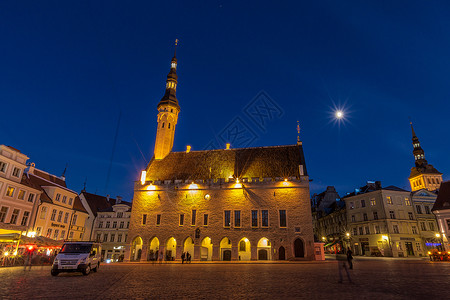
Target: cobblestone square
[373, 279]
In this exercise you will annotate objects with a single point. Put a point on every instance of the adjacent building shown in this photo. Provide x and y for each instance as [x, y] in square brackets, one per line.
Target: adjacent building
[230, 204]
[111, 220]
[423, 202]
[18, 196]
[441, 209]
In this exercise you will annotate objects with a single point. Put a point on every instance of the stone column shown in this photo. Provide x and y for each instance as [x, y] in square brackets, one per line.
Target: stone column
[179, 250]
[144, 253]
[216, 252]
[254, 253]
[197, 252]
[234, 253]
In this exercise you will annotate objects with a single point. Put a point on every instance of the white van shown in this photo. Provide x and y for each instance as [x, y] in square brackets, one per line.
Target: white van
[77, 257]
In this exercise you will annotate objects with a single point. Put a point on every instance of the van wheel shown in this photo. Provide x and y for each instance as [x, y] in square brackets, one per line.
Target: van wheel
[96, 268]
[54, 272]
[87, 270]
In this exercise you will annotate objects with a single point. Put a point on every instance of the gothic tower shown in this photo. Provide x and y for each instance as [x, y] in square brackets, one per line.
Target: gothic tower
[168, 110]
[423, 175]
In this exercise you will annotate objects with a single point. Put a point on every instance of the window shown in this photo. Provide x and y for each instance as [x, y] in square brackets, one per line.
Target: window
[49, 232]
[63, 233]
[70, 201]
[66, 217]
[355, 231]
[126, 237]
[2, 167]
[10, 191]
[99, 236]
[227, 218]
[237, 218]
[353, 218]
[395, 227]
[55, 234]
[410, 215]
[194, 217]
[447, 220]
[128, 224]
[419, 209]
[38, 231]
[365, 217]
[389, 200]
[112, 238]
[58, 197]
[71, 236]
[25, 216]
[14, 216]
[158, 220]
[367, 230]
[21, 195]
[205, 220]
[431, 226]
[361, 231]
[30, 197]
[74, 219]
[3, 213]
[283, 222]
[108, 224]
[242, 246]
[53, 217]
[16, 172]
[115, 224]
[427, 209]
[377, 229]
[392, 214]
[144, 220]
[373, 202]
[121, 224]
[60, 214]
[100, 225]
[64, 199]
[119, 238]
[375, 215]
[264, 218]
[254, 218]
[105, 237]
[181, 219]
[407, 201]
[352, 206]
[414, 229]
[120, 214]
[422, 226]
[363, 203]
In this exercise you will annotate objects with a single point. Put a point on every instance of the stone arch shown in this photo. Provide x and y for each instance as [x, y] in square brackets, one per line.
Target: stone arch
[244, 249]
[225, 249]
[206, 249]
[299, 248]
[264, 249]
[136, 249]
[153, 249]
[171, 249]
[188, 246]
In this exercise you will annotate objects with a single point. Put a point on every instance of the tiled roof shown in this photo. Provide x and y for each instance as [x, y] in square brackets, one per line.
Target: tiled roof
[97, 202]
[276, 161]
[52, 178]
[427, 169]
[371, 187]
[443, 198]
[77, 205]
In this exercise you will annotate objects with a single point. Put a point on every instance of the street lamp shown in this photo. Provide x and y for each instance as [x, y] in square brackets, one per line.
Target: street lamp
[386, 239]
[441, 240]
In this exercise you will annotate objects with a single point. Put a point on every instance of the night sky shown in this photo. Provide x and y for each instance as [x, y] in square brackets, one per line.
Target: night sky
[69, 69]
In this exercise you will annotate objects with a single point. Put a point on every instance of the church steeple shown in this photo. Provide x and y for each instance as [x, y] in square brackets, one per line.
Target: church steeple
[168, 110]
[419, 154]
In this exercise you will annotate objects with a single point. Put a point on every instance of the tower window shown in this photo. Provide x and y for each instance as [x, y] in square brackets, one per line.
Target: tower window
[162, 126]
[171, 110]
[169, 126]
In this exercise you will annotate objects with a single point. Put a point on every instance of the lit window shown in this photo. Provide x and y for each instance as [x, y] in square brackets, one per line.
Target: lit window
[21, 195]
[372, 202]
[10, 191]
[49, 232]
[389, 200]
[407, 201]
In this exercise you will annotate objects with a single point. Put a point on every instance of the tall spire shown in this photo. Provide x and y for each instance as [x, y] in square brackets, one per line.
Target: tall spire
[419, 154]
[298, 133]
[170, 97]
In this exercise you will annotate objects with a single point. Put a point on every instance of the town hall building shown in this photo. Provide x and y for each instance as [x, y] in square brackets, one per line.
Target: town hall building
[229, 204]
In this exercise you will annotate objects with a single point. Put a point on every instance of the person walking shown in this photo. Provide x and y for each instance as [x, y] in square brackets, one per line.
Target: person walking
[350, 258]
[188, 257]
[183, 256]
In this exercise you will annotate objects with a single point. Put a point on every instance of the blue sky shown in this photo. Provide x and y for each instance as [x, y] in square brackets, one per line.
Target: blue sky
[69, 69]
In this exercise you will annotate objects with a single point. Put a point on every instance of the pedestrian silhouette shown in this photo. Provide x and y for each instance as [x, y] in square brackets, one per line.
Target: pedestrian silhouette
[342, 264]
[183, 256]
[350, 258]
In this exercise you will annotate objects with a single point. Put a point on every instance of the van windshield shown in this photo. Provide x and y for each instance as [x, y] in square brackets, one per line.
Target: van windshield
[76, 248]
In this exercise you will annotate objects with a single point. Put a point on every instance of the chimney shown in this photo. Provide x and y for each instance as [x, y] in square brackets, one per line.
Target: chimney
[118, 199]
[378, 185]
[188, 149]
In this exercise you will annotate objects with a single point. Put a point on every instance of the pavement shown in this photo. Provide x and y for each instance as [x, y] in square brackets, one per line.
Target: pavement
[373, 279]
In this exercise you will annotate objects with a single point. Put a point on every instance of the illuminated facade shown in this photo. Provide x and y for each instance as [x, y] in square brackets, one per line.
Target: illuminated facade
[441, 209]
[423, 175]
[230, 204]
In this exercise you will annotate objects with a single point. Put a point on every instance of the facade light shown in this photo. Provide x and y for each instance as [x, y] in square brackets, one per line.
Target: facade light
[143, 176]
[384, 237]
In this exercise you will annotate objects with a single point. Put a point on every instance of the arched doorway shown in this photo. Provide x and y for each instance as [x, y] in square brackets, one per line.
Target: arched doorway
[206, 249]
[244, 250]
[225, 249]
[136, 249]
[264, 249]
[299, 250]
[189, 247]
[281, 253]
[171, 249]
[153, 249]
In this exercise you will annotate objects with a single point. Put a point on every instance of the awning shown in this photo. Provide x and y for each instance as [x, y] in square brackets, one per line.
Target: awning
[9, 237]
